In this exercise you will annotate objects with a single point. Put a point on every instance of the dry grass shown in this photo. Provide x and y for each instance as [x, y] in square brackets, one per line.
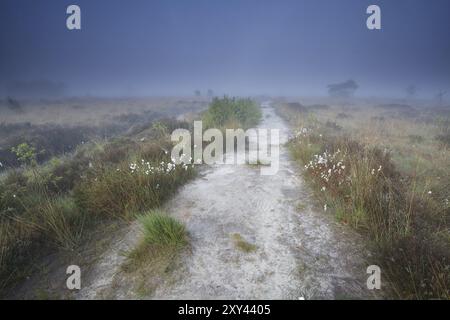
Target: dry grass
[386, 175]
[90, 111]
[241, 244]
[51, 207]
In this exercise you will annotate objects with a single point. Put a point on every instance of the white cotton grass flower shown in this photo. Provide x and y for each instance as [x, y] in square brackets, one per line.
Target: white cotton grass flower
[325, 207]
[430, 192]
[144, 167]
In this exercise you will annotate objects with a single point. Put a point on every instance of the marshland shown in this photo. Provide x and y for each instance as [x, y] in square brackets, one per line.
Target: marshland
[345, 105]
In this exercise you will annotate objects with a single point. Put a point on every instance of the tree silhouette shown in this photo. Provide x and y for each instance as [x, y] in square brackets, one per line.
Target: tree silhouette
[440, 97]
[343, 89]
[411, 91]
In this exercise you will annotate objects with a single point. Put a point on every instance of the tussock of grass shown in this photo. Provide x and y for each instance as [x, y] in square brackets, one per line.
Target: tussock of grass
[241, 244]
[156, 255]
[162, 230]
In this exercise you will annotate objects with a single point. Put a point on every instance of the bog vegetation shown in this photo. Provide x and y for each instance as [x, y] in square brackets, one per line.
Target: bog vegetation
[53, 206]
[48, 207]
[386, 174]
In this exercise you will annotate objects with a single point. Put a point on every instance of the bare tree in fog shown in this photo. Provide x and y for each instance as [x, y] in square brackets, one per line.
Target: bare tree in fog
[14, 104]
[343, 89]
[210, 93]
[411, 91]
[197, 93]
[440, 97]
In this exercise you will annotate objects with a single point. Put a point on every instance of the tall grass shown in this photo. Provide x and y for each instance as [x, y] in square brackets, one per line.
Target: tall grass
[406, 222]
[121, 191]
[58, 219]
[156, 254]
[50, 207]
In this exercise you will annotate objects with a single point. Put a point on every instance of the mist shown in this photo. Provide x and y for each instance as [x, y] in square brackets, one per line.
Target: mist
[224, 149]
[247, 47]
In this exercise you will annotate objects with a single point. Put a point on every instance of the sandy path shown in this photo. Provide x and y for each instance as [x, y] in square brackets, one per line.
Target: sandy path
[300, 252]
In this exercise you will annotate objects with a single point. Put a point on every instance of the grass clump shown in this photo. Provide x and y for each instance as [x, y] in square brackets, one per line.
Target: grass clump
[161, 230]
[241, 244]
[157, 254]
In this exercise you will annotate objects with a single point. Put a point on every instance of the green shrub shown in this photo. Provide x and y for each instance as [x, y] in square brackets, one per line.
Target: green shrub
[25, 153]
[155, 256]
[232, 112]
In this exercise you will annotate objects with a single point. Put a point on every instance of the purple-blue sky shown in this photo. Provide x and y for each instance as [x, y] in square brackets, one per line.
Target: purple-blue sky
[159, 47]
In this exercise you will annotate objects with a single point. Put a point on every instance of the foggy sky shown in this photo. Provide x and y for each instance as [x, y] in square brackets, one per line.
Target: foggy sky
[165, 47]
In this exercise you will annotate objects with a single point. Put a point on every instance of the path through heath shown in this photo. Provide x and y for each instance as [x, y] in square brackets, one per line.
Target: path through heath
[299, 252]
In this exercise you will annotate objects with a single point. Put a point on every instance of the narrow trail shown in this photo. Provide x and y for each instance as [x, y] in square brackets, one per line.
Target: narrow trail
[300, 250]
